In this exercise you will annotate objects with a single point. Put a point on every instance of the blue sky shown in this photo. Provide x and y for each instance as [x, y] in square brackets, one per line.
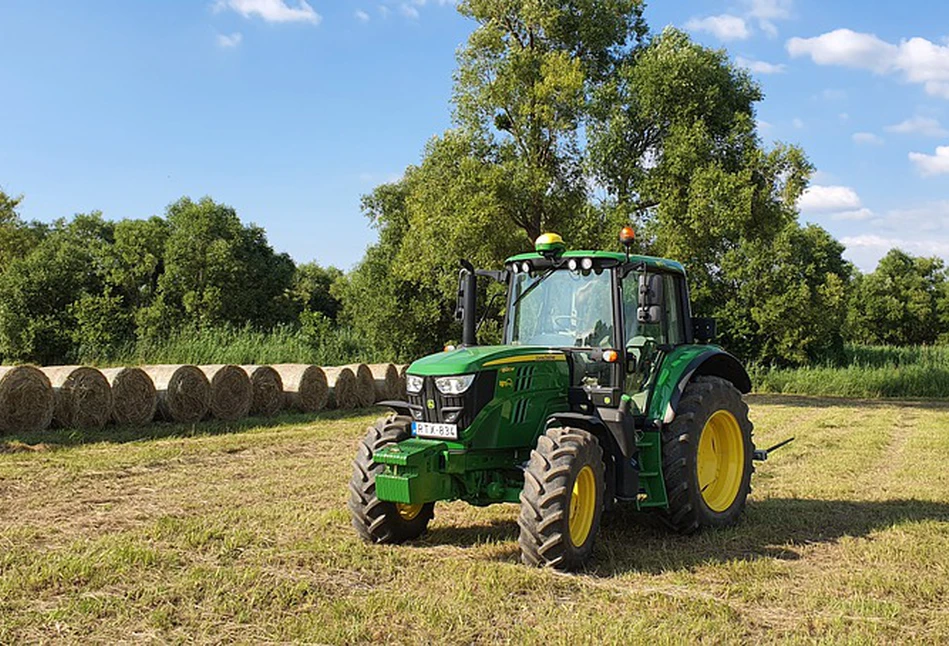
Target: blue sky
[290, 111]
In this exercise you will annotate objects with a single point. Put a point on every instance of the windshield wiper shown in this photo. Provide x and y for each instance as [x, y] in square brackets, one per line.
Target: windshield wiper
[544, 277]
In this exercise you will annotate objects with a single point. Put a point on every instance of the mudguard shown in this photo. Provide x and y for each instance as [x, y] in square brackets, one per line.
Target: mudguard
[684, 363]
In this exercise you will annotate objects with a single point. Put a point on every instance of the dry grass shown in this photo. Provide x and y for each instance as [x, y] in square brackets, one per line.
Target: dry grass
[239, 533]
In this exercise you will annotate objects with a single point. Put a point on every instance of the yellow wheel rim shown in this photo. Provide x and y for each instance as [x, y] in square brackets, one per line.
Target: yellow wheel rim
[720, 461]
[408, 512]
[582, 506]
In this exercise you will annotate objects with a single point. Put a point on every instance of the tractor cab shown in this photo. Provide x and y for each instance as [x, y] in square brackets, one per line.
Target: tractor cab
[613, 314]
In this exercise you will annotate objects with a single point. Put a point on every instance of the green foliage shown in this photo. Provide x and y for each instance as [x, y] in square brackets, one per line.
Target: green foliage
[784, 301]
[903, 302]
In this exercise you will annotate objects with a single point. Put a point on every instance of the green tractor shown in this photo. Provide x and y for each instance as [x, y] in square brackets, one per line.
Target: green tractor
[606, 390]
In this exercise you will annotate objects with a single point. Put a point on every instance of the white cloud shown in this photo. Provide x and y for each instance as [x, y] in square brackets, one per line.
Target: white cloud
[925, 126]
[763, 126]
[857, 215]
[361, 15]
[408, 11]
[271, 10]
[866, 138]
[225, 41]
[797, 122]
[843, 116]
[922, 247]
[384, 10]
[922, 230]
[766, 12]
[929, 165]
[824, 199]
[916, 60]
[760, 67]
[723, 27]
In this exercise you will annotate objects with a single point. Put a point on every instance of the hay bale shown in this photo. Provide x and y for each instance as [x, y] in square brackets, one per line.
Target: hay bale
[305, 387]
[231, 392]
[403, 369]
[184, 393]
[26, 399]
[343, 388]
[387, 381]
[134, 398]
[83, 396]
[365, 384]
[268, 390]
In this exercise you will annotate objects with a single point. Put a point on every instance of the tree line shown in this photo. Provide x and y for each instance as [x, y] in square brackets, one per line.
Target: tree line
[568, 116]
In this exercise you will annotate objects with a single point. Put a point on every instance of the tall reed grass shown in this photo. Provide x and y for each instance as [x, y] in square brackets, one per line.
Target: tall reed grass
[866, 372]
[285, 344]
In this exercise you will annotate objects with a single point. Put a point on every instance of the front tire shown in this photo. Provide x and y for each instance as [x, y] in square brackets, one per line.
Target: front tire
[380, 521]
[706, 457]
[562, 499]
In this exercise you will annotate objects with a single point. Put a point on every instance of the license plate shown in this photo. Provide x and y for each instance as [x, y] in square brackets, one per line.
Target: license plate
[438, 431]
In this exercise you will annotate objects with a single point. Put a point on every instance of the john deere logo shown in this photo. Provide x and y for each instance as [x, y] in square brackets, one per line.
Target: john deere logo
[431, 404]
[506, 383]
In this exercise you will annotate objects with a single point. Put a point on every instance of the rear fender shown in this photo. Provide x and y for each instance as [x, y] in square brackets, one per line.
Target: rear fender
[684, 363]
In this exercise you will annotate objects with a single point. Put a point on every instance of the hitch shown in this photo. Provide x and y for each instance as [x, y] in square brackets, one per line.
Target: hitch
[762, 454]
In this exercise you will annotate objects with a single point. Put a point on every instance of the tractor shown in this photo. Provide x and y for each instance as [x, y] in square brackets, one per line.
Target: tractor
[605, 391]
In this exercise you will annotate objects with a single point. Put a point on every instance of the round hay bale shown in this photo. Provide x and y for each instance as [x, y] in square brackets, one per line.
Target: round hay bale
[365, 385]
[134, 398]
[305, 387]
[26, 399]
[403, 369]
[387, 381]
[231, 392]
[343, 388]
[268, 390]
[184, 393]
[83, 396]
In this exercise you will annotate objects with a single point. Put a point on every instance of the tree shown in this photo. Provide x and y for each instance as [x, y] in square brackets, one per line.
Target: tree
[312, 289]
[902, 302]
[17, 238]
[785, 300]
[38, 291]
[217, 271]
[569, 117]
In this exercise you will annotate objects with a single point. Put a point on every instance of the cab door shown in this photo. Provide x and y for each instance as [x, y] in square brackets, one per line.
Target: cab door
[646, 343]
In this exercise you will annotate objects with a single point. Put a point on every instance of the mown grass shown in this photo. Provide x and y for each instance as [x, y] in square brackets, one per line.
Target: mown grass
[240, 533]
[867, 372]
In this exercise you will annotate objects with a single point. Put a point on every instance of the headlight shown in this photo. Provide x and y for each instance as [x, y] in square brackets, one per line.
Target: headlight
[413, 384]
[454, 385]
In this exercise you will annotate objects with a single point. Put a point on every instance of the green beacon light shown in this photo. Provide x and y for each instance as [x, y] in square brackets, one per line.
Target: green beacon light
[550, 245]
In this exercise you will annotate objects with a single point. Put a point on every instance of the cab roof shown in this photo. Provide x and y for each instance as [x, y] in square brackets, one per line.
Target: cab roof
[656, 264]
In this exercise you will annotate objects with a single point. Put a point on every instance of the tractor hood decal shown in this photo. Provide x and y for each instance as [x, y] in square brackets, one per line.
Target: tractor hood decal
[470, 360]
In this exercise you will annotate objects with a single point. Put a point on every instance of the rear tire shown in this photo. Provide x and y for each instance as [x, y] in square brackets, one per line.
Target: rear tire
[706, 457]
[562, 499]
[380, 521]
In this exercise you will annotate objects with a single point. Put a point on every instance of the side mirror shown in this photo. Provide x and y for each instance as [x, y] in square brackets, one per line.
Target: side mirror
[466, 271]
[704, 330]
[650, 298]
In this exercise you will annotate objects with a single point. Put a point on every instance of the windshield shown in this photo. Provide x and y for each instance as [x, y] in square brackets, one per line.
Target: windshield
[570, 309]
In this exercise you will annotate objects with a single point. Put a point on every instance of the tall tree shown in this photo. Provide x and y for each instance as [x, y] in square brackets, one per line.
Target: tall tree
[902, 302]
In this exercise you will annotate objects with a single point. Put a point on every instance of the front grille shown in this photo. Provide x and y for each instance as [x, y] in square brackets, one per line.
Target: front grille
[453, 409]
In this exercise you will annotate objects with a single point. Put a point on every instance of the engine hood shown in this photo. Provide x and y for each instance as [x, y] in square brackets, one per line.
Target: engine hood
[483, 357]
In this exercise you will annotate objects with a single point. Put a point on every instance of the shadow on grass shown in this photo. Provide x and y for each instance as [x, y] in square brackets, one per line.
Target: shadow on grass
[809, 401]
[773, 528]
[61, 438]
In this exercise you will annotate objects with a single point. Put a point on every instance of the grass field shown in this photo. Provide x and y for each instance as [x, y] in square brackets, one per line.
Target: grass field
[241, 534]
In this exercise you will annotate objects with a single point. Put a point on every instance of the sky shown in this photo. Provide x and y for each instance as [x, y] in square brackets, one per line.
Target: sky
[291, 110]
